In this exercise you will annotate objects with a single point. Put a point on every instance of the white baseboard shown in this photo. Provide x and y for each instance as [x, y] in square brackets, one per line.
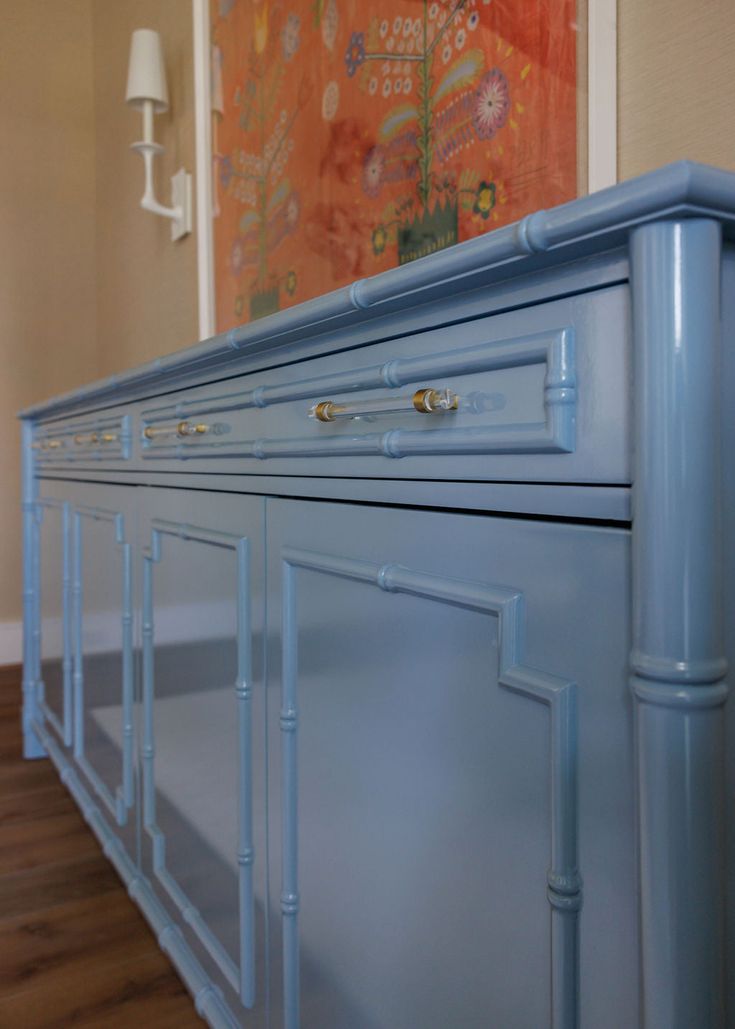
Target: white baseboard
[11, 643]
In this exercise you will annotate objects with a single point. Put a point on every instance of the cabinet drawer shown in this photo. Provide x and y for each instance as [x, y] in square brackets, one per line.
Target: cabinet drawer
[105, 437]
[533, 394]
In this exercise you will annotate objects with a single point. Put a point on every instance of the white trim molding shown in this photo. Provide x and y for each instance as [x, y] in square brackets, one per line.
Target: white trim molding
[204, 184]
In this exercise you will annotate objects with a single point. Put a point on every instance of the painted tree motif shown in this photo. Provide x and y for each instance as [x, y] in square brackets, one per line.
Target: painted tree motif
[443, 99]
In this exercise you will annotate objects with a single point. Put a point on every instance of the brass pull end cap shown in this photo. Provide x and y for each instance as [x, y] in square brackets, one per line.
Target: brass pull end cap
[323, 411]
[424, 400]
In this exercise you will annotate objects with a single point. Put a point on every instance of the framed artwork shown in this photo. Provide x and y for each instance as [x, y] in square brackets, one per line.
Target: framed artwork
[340, 138]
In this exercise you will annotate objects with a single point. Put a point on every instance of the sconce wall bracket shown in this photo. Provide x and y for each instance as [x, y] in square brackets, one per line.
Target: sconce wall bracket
[181, 200]
[181, 191]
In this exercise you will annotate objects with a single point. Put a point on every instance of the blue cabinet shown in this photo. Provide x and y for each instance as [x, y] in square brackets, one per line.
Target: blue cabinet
[415, 716]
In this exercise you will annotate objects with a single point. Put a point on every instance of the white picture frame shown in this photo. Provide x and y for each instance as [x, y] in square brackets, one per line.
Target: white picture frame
[601, 131]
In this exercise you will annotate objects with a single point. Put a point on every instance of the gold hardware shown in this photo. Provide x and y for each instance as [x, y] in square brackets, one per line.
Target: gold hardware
[51, 444]
[109, 437]
[324, 411]
[186, 429]
[429, 401]
[86, 437]
[425, 401]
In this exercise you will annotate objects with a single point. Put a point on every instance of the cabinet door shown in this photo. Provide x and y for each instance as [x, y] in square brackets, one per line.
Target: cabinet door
[427, 780]
[102, 528]
[203, 731]
[52, 579]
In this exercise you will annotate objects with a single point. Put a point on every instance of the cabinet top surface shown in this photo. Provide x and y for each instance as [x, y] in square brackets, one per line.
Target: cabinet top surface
[590, 225]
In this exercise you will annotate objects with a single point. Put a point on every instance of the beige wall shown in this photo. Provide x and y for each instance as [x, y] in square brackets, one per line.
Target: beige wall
[676, 87]
[146, 285]
[47, 283]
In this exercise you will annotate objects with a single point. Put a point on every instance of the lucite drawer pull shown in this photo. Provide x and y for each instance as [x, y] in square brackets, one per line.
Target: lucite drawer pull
[181, 429]
[86, 438]
[425, 401]
[48, 444]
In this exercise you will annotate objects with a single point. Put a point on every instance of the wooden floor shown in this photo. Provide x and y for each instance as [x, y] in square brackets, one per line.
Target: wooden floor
[74, 951]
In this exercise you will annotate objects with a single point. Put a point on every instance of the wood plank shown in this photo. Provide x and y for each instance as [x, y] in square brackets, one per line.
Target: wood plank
[46, 841]
[117, 995]
[11, 677]
[17, 776]
[46, 949]
[45, 802]
[37, 889]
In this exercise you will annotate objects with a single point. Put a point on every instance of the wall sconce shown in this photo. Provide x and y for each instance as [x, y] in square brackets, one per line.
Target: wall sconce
[148, 93]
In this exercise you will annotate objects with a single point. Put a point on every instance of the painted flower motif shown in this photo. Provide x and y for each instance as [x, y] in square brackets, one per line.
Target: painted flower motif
[225, 172]
[407, 26]
[460, 39]
[385, 67]
[330, 100]
[409, 46]
[379, 239]
[384, 28]
[390, 45]
[397, 25]
[417, 27]
[386, 90]
[491, 105]
[401, 46]
[290, 37]
[291, 282]
[373, 86]
[330, 23]
[398, 86]
[407, 84]
[484, 199]
[372, 171]
[447, 53]
[355, 53]
[433, 11]
[473, 21]
[237, 258]
[292, 209]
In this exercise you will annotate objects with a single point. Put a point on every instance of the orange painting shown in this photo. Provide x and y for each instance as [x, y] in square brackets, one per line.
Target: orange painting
[350, 136]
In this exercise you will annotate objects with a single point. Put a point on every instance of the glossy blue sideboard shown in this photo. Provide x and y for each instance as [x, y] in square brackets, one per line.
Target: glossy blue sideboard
[417, 718]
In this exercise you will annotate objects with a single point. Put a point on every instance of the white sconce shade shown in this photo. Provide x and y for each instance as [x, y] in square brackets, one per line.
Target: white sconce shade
[146, 72]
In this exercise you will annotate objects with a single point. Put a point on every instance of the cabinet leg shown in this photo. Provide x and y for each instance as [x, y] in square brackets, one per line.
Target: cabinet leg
[678, 664]
[32, 746]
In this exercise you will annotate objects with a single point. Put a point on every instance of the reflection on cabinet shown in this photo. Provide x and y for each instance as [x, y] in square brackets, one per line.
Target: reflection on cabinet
[415, 717]
[203, 728]
[86, 629]
[423, 693]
